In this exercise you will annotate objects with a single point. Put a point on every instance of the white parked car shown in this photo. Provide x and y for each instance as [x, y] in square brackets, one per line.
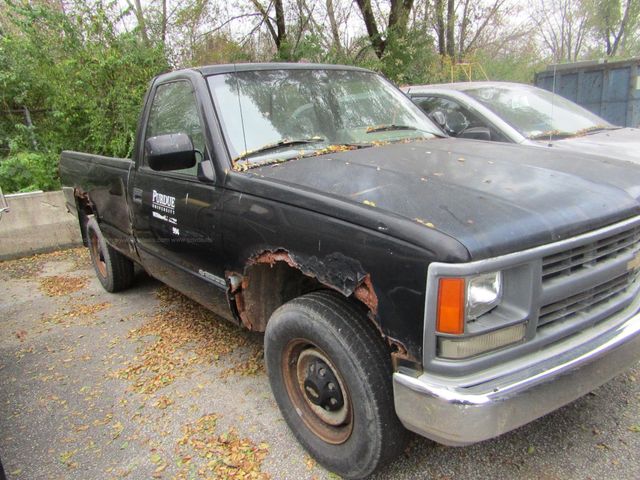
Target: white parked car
[523, 114]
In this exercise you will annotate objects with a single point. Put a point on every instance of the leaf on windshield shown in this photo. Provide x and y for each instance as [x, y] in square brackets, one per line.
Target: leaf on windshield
[594, 128]
[246, 165]
[552, 134]
[385, 128]
[424, 222]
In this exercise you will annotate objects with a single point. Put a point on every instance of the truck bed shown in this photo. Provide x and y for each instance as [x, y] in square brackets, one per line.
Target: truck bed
[105, 179]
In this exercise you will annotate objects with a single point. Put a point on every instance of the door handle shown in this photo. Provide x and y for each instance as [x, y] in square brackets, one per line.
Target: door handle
[137, 195]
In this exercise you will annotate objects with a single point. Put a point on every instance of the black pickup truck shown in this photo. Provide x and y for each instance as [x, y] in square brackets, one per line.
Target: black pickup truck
[458, 289]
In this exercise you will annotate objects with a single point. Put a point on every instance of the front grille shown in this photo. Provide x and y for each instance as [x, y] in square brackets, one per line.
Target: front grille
[602, 259]
[584, 256]
[587, 301]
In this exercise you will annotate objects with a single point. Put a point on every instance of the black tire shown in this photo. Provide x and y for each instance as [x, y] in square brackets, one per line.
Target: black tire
[113, 269]
[322, 328]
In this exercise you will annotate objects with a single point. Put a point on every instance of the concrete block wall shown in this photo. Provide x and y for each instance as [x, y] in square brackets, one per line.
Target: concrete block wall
[37, 222]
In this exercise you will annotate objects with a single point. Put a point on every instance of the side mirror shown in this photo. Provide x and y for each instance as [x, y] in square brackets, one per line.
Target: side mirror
[170, 152]
[476, 133]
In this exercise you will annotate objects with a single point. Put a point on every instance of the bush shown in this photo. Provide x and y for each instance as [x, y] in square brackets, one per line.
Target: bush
[29, 171]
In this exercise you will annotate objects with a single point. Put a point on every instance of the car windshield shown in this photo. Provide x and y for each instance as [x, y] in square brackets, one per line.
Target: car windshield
[275, 115]
[537, 113]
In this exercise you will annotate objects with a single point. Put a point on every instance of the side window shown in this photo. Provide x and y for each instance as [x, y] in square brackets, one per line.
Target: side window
[174, 110]
[456, 116]
[430, 104]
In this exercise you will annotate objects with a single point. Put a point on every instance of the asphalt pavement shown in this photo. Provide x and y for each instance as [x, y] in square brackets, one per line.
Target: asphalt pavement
[146, 384]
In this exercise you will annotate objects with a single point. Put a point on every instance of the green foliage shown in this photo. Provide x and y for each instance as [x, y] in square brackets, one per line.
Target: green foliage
[219, 48]
[409, 58]
[515, 66]
[83, 80]
[28, 171]
[309, 49]
[83, 77]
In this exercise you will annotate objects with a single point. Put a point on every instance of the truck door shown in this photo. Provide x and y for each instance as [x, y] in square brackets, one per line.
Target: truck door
[176, 213]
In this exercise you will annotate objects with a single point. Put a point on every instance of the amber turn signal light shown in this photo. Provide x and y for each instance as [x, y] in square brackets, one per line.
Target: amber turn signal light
[451, 306]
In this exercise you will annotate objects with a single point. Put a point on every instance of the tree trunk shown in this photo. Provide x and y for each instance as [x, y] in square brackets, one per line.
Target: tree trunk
[442, 43]
[280, 24]
[451, 23]
[397, 23]
[372, 27]
[141, 22]
[335, 33]
[164, 23]
[275, 35]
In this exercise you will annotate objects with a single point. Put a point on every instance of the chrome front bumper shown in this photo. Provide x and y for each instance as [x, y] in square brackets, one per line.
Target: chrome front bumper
[439, 410]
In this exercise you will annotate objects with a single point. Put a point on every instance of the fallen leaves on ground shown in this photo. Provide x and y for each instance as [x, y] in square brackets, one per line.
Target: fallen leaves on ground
[30, 267]
[76, 311]
[186, 334]
[309, 462]
[220, 456]
[21, 335]
[58, 285]
[163, 402]
[252, 366]
[65, 458]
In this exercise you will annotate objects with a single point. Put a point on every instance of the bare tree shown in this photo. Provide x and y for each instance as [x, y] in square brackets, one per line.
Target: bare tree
[563, 27]
[333, 23]
[396, 24]
[613, 21]
[142, 24]
[462, 26]
[277, 27]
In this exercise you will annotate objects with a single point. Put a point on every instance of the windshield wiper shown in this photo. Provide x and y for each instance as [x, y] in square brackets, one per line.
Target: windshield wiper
[282, 143]
[596, 129]
[332, 148]
[388, 128]
[552, 135]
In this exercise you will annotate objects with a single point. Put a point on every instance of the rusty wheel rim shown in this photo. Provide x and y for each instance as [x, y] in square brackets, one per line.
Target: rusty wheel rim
[97, 255]
[333, 423]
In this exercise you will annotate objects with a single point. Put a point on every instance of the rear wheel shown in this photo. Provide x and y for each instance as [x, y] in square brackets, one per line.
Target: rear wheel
[330, 373]
[113, 269]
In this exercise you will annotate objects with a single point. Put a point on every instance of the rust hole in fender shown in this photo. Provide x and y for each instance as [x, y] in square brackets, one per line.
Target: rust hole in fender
[273, 277]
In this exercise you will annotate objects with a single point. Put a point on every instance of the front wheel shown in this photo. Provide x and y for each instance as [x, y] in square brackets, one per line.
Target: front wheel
[113, 269]
[330, 373]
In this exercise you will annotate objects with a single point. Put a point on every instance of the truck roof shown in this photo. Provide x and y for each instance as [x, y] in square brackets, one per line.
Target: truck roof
[460, 86]
[243, 67]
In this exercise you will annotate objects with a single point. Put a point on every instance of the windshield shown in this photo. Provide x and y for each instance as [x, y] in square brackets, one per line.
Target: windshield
[537, 113]
[269, 115]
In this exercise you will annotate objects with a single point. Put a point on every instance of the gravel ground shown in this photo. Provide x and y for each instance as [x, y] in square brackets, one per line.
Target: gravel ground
[146, 384]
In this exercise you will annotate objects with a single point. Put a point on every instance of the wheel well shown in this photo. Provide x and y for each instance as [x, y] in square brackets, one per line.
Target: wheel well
[266, 286]
[84, 209]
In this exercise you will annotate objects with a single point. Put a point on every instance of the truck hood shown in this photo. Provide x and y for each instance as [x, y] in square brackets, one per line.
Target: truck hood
[621, 143]
[493, 198]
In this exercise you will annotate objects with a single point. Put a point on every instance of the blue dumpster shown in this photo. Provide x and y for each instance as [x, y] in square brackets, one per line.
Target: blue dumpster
[609, 89]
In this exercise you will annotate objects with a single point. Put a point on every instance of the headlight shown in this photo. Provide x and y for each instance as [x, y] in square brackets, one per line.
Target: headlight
[464, 299]
[484, 292]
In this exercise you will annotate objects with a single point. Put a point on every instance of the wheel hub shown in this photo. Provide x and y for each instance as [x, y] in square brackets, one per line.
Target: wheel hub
[322, 387]
[318, 392]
